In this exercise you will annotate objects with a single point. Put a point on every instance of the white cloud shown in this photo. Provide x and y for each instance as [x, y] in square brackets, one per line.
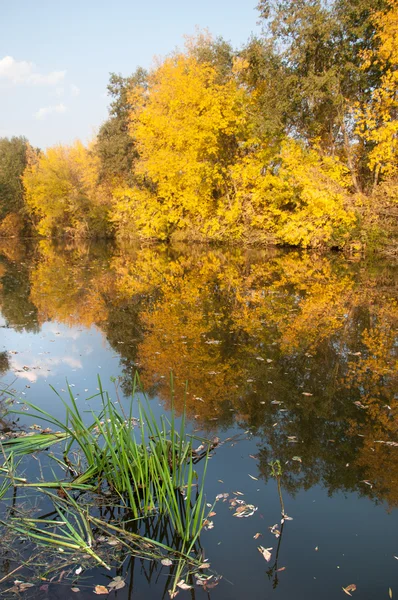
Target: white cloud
[24, 72]
[59, 91]
[74, 90]
[48, 110]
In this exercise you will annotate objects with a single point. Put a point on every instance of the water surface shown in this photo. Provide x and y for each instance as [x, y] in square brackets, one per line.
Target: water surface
[289, 356]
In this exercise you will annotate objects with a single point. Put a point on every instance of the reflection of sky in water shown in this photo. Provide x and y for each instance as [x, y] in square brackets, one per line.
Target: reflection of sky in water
[53, 356]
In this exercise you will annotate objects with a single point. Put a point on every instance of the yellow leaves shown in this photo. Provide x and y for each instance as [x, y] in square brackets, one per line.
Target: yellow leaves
[63, 193]
[297, 194]
[185, 127]
[377, 122]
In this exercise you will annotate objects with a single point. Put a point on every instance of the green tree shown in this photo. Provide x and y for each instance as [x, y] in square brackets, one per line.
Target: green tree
[320, 44]
[114, 146]
[13, 161]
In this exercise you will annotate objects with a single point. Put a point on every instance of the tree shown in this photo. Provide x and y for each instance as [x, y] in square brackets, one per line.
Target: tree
[321, 44]
[186, 126]
[13, 160]
[114, 146]
[377, 120]
[63, 194]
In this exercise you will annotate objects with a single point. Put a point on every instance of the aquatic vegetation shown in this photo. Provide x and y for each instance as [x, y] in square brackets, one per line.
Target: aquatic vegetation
[142, 467]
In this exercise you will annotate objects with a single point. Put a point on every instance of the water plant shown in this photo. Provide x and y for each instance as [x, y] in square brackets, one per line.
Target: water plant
[122, 456]
[276, 472]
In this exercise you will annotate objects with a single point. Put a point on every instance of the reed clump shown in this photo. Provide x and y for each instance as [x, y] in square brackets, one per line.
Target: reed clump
[142, 465]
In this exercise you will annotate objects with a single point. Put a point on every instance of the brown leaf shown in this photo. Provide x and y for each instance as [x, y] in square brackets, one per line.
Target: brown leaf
[390, 592]
[184, 586]
[350, 588]
[257, 535]
[212, 513]
[75, 589]
[265, 552]
[117, 584]
[166, 562]
[101, 589]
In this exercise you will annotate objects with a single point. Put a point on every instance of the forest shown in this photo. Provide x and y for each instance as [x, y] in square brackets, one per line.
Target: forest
[290, 140]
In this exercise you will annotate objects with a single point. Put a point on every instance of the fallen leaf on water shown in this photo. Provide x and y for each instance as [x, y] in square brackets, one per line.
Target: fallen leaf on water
[257, 535]
[74, 589]
[78, 570]
[252, 477]
[101, 589]
[274, 530]
[212, 513]
[24, 586]
[204, 565]
[117, 584]
[281, 569]
[239, 493]
[166, 562]
[184, 586]
[265, 552]
[350, 588]
[390, 592]
[173, 594]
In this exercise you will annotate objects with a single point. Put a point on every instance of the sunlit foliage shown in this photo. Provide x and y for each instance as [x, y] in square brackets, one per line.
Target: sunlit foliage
[63, 192]
[377, 120]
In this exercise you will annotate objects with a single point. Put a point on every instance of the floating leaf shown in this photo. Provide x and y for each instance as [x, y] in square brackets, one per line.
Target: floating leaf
[257, 535]
[101, 589]
[350, 588]
[265, 552]
[184, 586]
[75, 589]
[166, 562]
[78, 570]
[252, 477]
[117, 584]
[390, 592]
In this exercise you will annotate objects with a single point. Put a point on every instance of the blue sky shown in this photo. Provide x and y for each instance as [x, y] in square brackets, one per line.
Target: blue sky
[55, 57]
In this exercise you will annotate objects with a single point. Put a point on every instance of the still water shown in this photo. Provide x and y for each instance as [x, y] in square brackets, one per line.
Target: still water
[289, 356]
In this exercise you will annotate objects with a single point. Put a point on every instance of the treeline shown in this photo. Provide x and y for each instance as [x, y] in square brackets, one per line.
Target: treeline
[291, 139]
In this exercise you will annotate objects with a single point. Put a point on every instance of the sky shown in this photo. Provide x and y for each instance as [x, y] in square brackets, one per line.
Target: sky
[55, 57]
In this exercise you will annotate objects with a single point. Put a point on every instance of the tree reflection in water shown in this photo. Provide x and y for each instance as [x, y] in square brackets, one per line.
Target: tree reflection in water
[299, 347]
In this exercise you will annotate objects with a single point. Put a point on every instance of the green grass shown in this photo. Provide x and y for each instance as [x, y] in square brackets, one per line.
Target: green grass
[145, 464]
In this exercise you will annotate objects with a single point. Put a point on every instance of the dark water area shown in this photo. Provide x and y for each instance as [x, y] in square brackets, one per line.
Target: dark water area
[288, 355]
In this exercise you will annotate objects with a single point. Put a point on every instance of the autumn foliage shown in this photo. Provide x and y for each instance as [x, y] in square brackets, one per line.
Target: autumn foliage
[291, 140]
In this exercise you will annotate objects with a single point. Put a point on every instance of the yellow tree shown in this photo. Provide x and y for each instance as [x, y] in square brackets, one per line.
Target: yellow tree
[187, 125]
[62, 191]
[294, 195]
[377, 122]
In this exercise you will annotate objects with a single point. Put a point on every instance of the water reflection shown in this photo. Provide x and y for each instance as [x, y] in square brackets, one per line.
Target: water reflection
[299, 348]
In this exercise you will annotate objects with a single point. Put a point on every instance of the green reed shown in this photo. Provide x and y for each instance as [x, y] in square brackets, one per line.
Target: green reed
[148, 465]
